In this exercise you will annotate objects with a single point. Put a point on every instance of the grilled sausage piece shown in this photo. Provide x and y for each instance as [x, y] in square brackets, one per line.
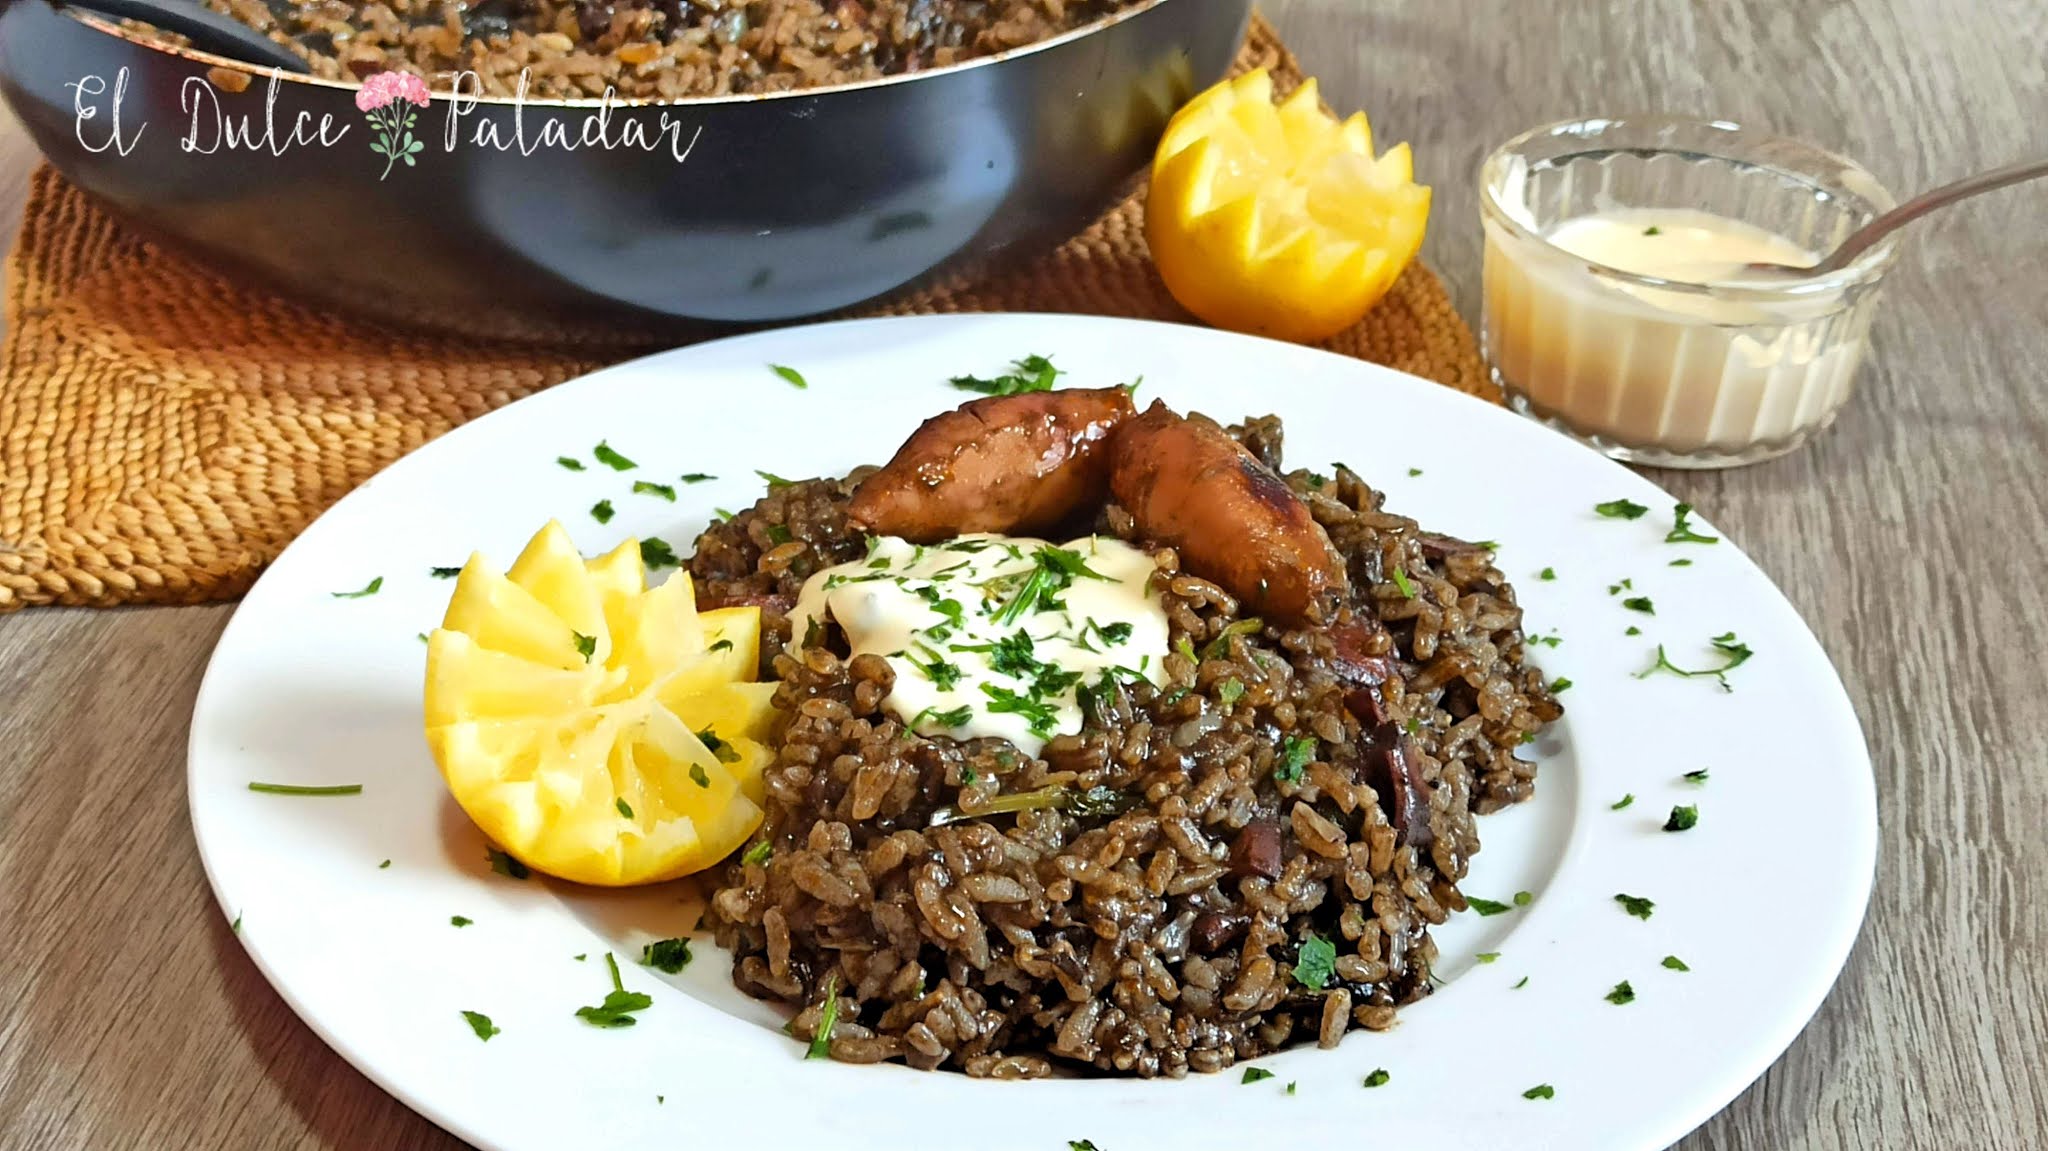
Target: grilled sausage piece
[1010, 464]
[1233, 519]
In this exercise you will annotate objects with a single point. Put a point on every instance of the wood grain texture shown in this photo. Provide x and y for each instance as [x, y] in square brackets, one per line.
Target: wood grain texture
[1910, 536]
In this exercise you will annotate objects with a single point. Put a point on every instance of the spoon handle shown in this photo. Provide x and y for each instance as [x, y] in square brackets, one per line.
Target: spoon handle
[1927, 202]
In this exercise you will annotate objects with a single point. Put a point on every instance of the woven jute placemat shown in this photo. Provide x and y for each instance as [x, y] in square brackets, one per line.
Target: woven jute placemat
[164, 432]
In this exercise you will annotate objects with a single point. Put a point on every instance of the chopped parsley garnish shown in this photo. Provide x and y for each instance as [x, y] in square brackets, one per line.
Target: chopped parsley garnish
[1524, 982]
[1291, 1085]
[1524, 899]
[1101, 802]
[656, 553]
[444, 573]
[1040, 716]
[758, 853]
[1633, 630]
[1699, 776]
[481, 1024]
[795, 378]
[1653, 230]
[573, 465]
[1540, 1091]
[968, 778]
[1624, 801]
[1220, 646]
[1622, 510]
[663, 491]
[619, 1003]
[944, 676]
[1487, 956]
[1414, 472]
[1401, 581]
[721, 513]
[383, 865]
[956, 717]
[721, 645]
[1683, 818]
[601, 511]
[1675, 963]
[1070, 564]
[698, 775]
[1315, 963]
[1622, 995]
[236, 926]
[1082, 1145]
[611, 459]
[1255, 1075]
[507, 866]
[303, 789]
[367, 590]
[625, 809]
[1618, 588]
[586, 645]
[1737, 654]
[1296, 754]
[1230, 692]
[1681, 531]
[1547, 573]
[696, 477]
[718, 747]
[1547, 640]
[1030, 374]
[1640, 603]
[1680, 563]
[460, 921]
[1378, 1078]
[1559, 684]
[779, 534]
[1636, 905]
[667, 955]
[774, 481]
[828, 1018]
[1486, 907]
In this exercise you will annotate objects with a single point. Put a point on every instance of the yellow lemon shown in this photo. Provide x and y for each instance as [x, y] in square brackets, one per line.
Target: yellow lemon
[598, 730]
[1278, 220]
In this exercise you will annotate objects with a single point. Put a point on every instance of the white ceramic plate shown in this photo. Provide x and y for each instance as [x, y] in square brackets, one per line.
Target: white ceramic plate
[1761, 900]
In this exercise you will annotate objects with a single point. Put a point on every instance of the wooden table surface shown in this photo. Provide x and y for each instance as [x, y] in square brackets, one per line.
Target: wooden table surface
[1911, 537]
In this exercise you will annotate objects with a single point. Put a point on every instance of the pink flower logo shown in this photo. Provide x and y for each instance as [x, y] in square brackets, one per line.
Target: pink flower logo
[386, 100]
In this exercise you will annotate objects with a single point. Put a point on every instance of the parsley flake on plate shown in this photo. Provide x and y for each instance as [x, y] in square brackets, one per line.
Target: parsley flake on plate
[481, 1024]
[601, 511]
[1378, 1078]
[1640, 603]
[1524, 982]
[306, 789]
[1291, 1085]
[574, 465]
[1680, 563]
[1540, 1091]
[1082, 1145]
[384, 865]
[1699, 776]
[460, 921]
[444, 573]
[507, 866]
[647, 488]
[794, 377]
[696, 477]
[1255, 1075]
[1681, 531]
[1547, 574]
[1624, 801]
[236, 926]
[774, 481]
[1559, 684]
[1487, 956]
[655, 554]
[619, 1004]
[1413, 472]
[1524, 899]
[1633, 630]
[612, 459]
[1030, 374]
[666, 955]
[1735, 653]
[1675, 963]
[1683, 818]
[1636, 905]
[1622, 510]
[1622, 995]
[1315, 962]
[1486, 907]
[364, 592]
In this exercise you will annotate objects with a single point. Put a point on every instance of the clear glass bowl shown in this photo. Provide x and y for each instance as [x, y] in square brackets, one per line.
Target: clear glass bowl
[1661, 371]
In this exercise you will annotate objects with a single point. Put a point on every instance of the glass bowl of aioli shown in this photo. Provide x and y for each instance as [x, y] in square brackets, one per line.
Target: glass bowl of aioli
[1617, 307]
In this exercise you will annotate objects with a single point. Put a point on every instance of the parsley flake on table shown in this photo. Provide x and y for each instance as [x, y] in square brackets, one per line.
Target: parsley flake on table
[601, 511]
[1255, 1075]
[696, 477]
[364, 592]
[619, 1003]
[481, 1024]
[1547, 574]
[306, 789]
[1675, 963]
[1699, 776]
[1486, 907]
[1683, 818]
[660, 491]
[1487, 956]
[1736, 654]
[1624, 801]
[612, 459]
[574, 465]
[444, 573]
[666, 955]
[1540, 1091]
[794, 377]
[1401, 581]
[1315, 962]
[1297, 753]
[655, 554]
[1378, 1078]
[507, 866]
[828, 1018]
[1681, 531]
[1636, 905]
[1640, 603]
[1622, 995]
[460, 921]
[1622, 510]
[1030, 374]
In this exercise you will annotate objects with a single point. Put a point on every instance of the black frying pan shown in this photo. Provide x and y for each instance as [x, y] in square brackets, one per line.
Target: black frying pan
[786, 205]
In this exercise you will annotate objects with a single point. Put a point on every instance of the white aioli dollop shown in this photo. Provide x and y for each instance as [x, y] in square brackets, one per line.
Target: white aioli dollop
[995, 636]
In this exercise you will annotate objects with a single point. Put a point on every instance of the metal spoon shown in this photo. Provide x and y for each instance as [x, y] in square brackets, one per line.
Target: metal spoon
[1862, 238]
[208, 31]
